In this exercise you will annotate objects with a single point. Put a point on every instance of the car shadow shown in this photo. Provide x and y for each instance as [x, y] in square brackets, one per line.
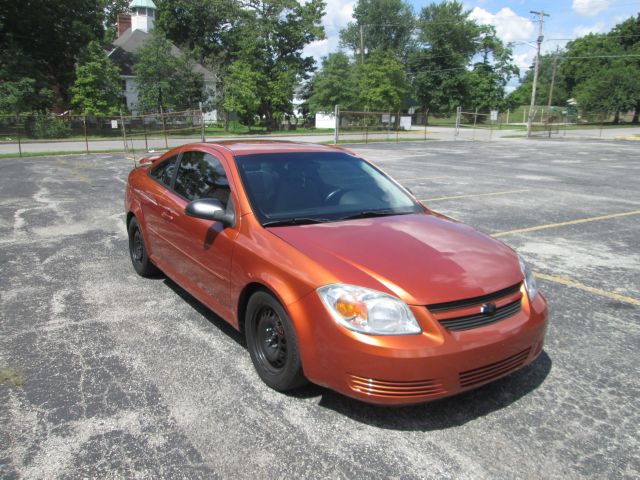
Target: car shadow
[437, 415]
[445, 413]
[203, 310]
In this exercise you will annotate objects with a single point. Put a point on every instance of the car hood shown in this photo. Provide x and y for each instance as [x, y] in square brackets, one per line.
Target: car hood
[421, 258]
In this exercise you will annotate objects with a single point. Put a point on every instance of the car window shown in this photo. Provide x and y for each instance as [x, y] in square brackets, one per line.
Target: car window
[201, 175]
[318, 185]
[164, 172]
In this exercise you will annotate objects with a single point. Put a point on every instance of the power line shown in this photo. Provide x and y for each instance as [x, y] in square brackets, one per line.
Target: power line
[602, 56]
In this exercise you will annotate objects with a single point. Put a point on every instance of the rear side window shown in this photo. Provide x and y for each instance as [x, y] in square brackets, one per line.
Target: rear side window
[201, 175]
[164, 172]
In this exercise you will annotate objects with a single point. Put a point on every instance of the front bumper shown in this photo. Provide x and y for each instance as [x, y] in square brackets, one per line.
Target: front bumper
[415, 368]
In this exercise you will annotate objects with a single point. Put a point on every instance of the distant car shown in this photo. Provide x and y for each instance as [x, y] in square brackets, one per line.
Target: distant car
[335, 273]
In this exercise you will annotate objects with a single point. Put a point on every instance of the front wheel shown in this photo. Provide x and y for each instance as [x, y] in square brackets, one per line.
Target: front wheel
[272, 343]
[138, 251]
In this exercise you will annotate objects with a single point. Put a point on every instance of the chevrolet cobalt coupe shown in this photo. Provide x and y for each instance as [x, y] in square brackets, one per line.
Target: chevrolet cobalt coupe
[335, 273]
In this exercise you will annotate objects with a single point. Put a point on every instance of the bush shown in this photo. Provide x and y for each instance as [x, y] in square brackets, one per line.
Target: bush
[50, 127]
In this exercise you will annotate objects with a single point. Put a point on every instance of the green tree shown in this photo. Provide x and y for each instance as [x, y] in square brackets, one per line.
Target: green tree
[41, 39]
[240, 91]
[627, 35]
[21, 95]
[270, 37]
[165, 78]
[600, 73]
[112, 8]
[613, 90]
[335, 84]
[97, 89]
[383, 83]
[200, 27]
[385, 24]
[522, 94]
[447, 42]
[489, 76]
[266, 36]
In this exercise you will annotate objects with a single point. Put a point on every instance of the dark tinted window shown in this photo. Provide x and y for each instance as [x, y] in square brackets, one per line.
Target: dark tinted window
[164, 172]
[318, 185]
[201, 175]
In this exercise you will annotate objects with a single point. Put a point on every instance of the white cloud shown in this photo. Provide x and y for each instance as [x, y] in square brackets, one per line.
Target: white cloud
[524, 60]
[510, 27]
[590, 8]
[338, 14]
[581, 30]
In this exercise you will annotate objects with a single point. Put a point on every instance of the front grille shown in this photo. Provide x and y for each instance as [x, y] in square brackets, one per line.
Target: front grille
[465, 314]
[470, 302]
[478, 320]
[492, 371]
[385, 388]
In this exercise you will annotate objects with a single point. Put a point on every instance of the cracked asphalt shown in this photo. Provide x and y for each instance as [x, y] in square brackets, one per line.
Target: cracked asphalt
[110, 375]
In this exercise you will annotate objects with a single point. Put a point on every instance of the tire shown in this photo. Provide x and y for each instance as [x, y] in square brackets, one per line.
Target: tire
[272, 343]
[138, 251]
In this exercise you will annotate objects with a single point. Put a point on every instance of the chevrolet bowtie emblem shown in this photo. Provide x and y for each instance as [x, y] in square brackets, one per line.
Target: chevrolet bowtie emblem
[488, 308]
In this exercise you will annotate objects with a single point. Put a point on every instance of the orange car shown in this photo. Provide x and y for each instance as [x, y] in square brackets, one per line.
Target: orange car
[335, 273]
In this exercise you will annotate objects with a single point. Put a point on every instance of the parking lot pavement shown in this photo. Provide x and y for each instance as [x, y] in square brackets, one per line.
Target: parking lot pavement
[112, 375]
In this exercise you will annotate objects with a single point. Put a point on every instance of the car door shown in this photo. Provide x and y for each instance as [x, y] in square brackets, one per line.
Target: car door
[202, 249]
[153, 210]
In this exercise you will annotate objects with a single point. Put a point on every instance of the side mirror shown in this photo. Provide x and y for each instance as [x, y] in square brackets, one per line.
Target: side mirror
[210, 209]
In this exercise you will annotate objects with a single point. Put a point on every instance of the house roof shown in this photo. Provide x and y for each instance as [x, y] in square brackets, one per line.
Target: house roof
[127, 44]
[143, 4]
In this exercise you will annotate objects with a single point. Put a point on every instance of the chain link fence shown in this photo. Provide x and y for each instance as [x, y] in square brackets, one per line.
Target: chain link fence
[129, 134]
[366, 127]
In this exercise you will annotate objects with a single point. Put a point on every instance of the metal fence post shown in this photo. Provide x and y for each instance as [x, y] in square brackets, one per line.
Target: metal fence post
[336, 114]
[366, 128]
[124, 134]
[144, 129]
[475, 119]
[19, 140]
[397, 125]
[458, 114]
[86, 139]
[426, 115]
[164, 127]
[202, 121]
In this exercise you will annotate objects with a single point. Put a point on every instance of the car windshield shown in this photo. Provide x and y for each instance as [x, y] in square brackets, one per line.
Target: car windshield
[314, 187]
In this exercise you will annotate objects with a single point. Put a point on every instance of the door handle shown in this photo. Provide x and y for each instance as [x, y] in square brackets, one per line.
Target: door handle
[166, 215]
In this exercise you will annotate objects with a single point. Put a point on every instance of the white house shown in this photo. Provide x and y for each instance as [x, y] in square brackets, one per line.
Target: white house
[133, 32]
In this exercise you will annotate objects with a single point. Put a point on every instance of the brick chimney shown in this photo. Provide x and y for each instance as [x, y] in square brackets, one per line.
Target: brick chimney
[124, 23]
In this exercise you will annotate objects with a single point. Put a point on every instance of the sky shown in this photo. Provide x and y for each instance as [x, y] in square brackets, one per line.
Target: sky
[567, 19]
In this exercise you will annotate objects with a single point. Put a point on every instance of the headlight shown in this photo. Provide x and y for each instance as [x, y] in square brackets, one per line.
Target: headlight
[368, 311]
[529, 279]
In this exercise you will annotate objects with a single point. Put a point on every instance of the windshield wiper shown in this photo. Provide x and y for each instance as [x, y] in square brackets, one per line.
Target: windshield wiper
[294, 221]
[372, 213]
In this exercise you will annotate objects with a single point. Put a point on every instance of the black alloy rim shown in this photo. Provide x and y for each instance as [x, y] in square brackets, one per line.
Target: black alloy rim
[137, 250]
[270, 341]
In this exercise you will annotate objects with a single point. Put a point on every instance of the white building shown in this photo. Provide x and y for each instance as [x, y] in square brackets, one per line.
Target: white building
[133, 32]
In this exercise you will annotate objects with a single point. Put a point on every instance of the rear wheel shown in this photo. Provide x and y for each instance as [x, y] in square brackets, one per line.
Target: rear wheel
[138, 251]
[272, 343]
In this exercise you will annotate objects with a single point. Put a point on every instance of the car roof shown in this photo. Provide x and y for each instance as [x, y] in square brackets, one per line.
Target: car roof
[246, 147]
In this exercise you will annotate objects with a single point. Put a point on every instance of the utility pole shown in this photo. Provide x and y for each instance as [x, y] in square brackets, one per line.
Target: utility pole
[361, 44]
[532, 111]
[553, 78]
